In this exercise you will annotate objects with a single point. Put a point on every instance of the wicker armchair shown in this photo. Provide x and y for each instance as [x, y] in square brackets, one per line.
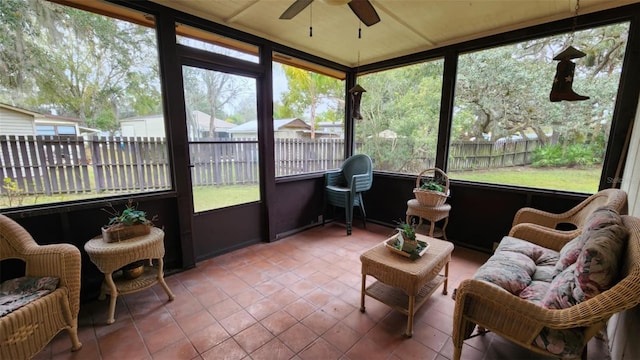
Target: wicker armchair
[576, 216]
[344, 187]
[25, 331]
[491, 308]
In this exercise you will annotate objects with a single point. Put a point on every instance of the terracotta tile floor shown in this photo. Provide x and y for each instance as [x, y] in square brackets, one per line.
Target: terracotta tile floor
[297, 298]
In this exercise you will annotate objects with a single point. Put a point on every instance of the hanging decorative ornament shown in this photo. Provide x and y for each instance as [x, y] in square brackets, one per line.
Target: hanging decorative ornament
[356, 96]
[357, 90]
[562, 88]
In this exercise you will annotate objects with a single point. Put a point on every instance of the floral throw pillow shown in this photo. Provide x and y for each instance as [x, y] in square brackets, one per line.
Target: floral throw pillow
[602, 217]
[598, 264]
[569, 252]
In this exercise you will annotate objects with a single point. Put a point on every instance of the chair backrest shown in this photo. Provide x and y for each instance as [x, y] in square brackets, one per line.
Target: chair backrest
[614, 198]
[14, 239]
[357, 165]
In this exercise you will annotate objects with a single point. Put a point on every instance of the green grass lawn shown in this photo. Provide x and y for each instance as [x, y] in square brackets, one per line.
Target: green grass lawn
[213, 197]
[569, 179]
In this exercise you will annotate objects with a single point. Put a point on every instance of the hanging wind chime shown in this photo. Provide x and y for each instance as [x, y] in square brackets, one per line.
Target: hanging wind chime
[357, 91]
[562, 88]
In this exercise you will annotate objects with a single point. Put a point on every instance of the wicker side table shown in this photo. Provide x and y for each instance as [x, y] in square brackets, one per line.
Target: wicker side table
[405, 284]
[109, 257]
[431, 213]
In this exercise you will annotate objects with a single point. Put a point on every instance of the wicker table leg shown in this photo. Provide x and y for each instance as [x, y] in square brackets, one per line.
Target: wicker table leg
[411, 310]
[113, 293]
[446, 278]
[364, 284]
[161, 279]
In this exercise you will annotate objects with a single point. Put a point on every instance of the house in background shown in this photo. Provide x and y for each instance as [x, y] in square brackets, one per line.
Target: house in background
[153, 126]
[293, 128]
[200, 126]
[18, 121]
[143, 126]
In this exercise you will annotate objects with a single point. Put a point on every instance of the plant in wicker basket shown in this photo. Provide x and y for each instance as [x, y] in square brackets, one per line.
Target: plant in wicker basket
[432, 191]
[125, 224]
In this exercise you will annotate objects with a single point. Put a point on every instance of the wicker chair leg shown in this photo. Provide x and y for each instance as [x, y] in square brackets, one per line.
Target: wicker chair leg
[73, 334]
[457, 352]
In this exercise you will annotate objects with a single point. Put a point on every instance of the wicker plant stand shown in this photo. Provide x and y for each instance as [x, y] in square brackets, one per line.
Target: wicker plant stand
[109, 257]
[431, 213]
[405, 284]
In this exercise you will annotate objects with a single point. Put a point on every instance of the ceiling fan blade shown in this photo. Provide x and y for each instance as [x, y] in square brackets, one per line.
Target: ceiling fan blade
[295, 9]
[364, 11]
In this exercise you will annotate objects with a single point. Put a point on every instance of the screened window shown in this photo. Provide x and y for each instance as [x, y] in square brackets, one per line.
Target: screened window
[308, 120]
[401, 111]
[98, 71]
[204, 40]
[506, 130]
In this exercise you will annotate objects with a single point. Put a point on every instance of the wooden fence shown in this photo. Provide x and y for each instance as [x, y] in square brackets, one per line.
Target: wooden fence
[52, 165]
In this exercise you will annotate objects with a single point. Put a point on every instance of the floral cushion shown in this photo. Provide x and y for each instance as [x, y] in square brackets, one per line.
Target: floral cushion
[594, 271]
[516, 263]
[18, 292]
[565, 343]
[598, 264]
[600, 218]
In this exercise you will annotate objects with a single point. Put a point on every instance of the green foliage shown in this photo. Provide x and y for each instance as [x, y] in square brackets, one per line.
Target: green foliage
[570, 155]
[311, 96]
[407, 230]
[77, 63]
[401, 113]
[432, 185]
[13, 192]
[130, 215]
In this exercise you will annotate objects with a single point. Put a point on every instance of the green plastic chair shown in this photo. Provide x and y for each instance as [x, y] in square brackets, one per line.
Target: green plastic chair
[344, 187]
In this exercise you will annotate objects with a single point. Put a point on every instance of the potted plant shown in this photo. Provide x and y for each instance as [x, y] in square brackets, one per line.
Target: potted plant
[125, 224]
[432, 191]
[405, 243]
[407, 236]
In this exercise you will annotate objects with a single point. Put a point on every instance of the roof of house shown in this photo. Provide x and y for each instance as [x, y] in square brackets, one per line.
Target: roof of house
[279, 124]
[203, 121]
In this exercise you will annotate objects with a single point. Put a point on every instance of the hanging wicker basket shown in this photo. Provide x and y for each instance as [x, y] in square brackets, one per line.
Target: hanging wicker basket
[431, 197]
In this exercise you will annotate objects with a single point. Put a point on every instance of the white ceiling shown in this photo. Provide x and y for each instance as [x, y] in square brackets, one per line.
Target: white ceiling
[406, 26]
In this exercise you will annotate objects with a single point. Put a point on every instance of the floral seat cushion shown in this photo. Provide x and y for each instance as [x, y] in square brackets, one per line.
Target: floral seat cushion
[516, 263]
[18, 292]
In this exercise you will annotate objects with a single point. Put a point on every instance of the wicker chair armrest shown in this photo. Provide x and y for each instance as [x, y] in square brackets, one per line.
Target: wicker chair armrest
[598, 309]
[540, 217]
[543, 236]
[60, 260]
[334, 178]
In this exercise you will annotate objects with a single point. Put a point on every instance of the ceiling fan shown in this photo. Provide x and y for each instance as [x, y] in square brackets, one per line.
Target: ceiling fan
[362, 8]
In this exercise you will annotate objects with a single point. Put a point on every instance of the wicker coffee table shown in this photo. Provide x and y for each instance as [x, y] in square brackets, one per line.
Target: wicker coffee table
[109, 257]
[405, 284]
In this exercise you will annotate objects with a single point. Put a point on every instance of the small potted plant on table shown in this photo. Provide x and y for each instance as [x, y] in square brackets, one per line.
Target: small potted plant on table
[405, 243]
[126, 224]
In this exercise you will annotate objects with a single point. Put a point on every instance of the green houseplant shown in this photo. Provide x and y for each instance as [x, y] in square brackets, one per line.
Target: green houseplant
[125, 224]
[405, 243]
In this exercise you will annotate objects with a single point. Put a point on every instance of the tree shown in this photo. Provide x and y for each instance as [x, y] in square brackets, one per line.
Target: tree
[79, 64]
[310, 93]
[504, 91]
[400, 116]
